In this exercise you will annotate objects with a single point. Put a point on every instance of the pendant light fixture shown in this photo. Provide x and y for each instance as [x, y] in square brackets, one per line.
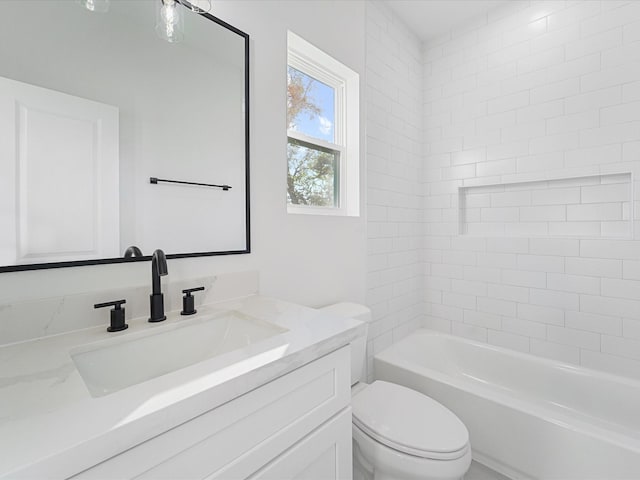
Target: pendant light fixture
[169, 15]
[169, 20]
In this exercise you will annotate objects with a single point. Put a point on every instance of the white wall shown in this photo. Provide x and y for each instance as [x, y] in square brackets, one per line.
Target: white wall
[394, 165]
[536, 91]
[307, 259]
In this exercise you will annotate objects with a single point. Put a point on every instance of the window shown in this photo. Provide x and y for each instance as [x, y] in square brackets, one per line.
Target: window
[323, 132]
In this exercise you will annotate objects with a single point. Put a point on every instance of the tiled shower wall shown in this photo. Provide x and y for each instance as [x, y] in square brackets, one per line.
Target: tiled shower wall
[394, 163]
[546, 93]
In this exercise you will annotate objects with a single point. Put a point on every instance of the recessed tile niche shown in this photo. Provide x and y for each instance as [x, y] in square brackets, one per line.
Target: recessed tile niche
[598, 206]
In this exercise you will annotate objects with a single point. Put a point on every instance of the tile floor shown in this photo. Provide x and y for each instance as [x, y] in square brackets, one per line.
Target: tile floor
[477, 471]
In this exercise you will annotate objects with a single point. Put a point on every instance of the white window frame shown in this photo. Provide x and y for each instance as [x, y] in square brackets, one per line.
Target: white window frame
[312, 61]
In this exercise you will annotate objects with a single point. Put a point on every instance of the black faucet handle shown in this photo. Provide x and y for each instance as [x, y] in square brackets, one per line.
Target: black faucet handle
[116, 304]
[117, 315]
[188, 302]
[189, 291]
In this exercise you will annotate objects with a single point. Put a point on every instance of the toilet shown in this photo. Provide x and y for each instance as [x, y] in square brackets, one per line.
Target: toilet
[399, 433]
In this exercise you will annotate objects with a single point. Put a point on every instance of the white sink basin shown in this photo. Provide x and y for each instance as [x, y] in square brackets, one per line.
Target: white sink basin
[117, 363]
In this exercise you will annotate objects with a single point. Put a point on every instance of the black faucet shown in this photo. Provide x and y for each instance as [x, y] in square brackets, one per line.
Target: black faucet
[158, 269]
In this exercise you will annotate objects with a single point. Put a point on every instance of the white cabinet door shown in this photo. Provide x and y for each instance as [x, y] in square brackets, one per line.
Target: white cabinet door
[324, 454]
[48, 215]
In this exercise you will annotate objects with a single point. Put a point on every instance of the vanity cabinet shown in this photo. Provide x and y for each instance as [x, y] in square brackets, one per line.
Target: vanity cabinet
[296, 426]
[324, 454]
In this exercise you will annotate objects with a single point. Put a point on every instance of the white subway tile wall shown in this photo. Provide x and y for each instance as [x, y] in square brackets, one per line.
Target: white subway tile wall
[394, 171]
[546, 93]
[595, 206]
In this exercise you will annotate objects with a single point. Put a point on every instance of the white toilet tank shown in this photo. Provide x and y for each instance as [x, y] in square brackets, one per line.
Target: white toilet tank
[359, 345]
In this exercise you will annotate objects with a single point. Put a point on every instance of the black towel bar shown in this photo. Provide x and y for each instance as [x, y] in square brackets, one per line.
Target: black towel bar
[155, 181]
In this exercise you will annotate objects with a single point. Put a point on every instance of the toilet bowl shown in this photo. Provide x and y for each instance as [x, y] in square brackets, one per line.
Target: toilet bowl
[398, 433]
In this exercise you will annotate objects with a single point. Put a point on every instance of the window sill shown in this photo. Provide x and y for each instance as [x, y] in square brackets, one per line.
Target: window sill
[326, 211]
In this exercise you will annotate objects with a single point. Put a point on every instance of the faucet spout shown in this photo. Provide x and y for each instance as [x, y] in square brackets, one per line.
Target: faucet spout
[158, 269]
[133, 251]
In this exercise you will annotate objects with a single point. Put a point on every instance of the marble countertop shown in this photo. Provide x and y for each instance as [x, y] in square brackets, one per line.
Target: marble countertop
[50, 426]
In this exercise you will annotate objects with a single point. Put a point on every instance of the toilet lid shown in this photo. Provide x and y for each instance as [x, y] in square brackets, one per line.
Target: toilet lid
[409, 421]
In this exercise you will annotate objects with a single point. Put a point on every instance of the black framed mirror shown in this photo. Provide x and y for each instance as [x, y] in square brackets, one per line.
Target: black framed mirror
[114, 137]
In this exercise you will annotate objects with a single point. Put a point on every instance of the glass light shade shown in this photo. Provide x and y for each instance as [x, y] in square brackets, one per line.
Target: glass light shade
[99, 6]
[170, 20]
[200, 6]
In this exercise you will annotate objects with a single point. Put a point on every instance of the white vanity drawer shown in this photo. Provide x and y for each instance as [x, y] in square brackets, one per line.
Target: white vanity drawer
[244, 434]
[324, 454]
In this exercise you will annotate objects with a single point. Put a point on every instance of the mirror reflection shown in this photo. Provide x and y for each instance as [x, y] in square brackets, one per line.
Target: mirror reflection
[94, 105]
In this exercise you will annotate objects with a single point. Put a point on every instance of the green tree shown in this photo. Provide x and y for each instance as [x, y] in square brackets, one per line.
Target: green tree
[310, 176]
[299, 100]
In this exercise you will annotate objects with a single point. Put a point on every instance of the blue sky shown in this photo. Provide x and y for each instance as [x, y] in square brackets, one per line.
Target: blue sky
[320, 126]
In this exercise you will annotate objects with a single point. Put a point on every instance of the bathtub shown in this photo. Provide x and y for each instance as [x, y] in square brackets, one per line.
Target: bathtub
[528, 417]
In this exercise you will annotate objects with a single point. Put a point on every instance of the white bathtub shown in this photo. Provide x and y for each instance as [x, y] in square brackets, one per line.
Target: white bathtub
[528, 417]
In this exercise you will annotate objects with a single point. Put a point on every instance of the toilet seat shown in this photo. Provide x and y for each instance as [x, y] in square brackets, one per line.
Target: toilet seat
[384, 463]
[431, 431]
